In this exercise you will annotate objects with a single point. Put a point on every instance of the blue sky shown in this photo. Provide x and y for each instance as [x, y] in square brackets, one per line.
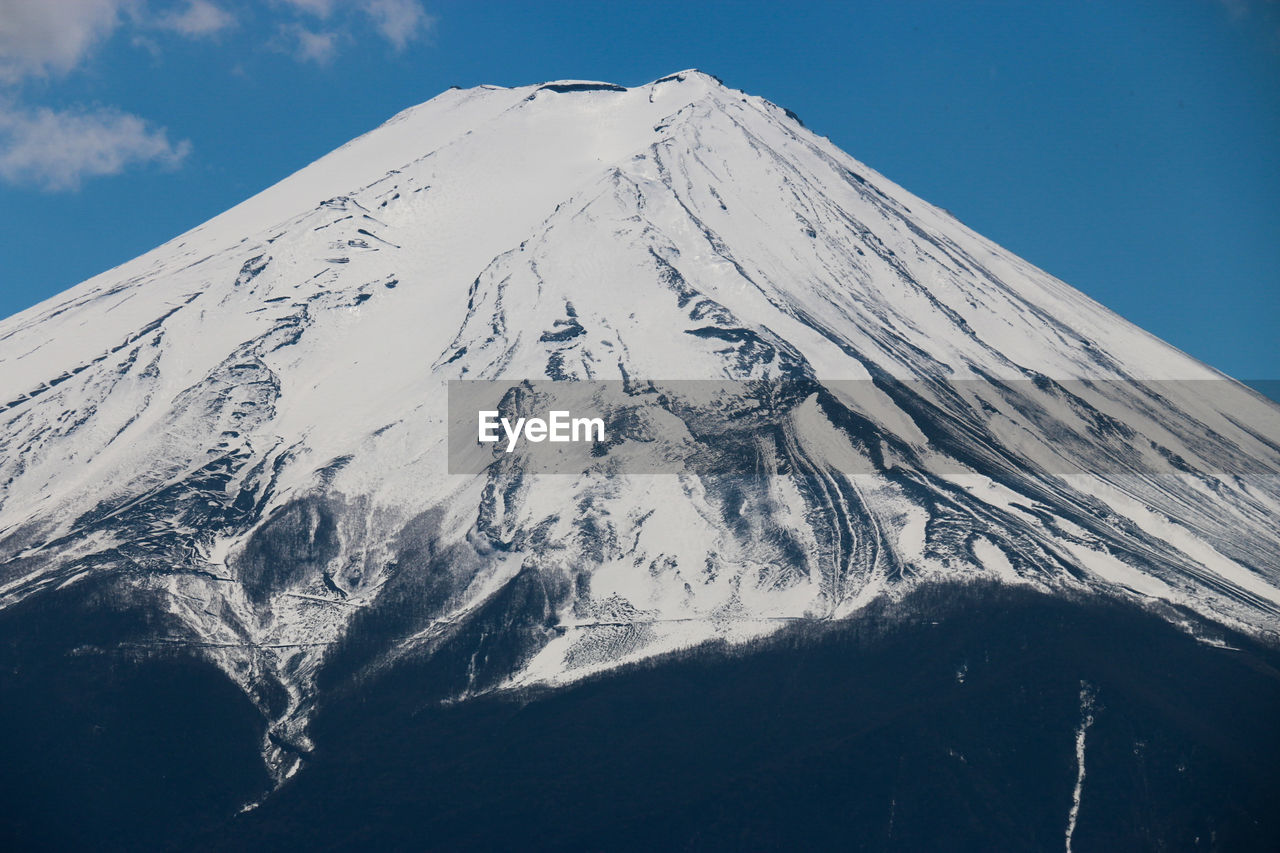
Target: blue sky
[1128, 148]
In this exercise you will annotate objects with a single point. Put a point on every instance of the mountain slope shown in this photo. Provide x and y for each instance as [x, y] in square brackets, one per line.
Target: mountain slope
[245, 432]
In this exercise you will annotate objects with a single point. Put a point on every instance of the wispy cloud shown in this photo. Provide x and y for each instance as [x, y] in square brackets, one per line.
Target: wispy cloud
[50, 37]
[307, 45]
[43, 36]
[399, 21]
[58, 149]
[198, 19]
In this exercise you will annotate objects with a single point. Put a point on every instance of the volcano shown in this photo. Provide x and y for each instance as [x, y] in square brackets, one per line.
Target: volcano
[893, 537]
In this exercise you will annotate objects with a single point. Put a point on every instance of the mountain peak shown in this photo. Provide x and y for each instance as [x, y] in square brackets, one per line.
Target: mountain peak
[690, 74]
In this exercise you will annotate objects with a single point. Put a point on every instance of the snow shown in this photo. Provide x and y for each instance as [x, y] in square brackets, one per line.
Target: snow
[1087, 696]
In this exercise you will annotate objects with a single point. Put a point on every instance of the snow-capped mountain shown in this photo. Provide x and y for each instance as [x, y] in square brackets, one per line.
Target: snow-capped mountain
[245, 432]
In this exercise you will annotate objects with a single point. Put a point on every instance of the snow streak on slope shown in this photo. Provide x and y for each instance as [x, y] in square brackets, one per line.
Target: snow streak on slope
[247, 426]
[1087, 697]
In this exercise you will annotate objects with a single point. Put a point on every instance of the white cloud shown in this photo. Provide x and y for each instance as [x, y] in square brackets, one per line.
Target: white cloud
[307, 45]
[39, 36]
[57, 150]
[399, 21]
[199, 18]
[60, 148]
[147, 44]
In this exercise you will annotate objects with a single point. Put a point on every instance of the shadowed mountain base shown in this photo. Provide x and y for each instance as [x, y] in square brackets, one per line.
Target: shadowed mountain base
[946, 722]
